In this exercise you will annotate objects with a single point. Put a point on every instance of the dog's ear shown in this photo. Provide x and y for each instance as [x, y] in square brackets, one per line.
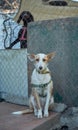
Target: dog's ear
[51, 55]
[31, 57]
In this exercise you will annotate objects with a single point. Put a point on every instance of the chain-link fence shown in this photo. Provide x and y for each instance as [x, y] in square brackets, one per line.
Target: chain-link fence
[13, 76]
[59, 35]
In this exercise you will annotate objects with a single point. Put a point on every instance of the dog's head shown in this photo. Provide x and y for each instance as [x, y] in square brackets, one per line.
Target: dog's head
[41, 60]
[26, 17]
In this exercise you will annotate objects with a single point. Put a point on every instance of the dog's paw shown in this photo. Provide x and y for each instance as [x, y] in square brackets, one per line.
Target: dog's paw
[39, 116]
[46, 113]
[39, 113]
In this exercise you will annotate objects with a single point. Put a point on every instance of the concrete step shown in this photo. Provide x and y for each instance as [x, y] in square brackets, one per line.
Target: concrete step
[24, 122]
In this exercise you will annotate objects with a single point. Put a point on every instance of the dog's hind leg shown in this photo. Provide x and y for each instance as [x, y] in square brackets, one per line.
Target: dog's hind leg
[13, 43]
[51, 105]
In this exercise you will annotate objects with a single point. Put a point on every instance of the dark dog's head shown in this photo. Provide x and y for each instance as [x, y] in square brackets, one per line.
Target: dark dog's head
[26, 17]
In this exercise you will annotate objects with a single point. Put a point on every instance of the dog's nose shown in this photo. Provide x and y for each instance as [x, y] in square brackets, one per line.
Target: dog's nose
[40, 67]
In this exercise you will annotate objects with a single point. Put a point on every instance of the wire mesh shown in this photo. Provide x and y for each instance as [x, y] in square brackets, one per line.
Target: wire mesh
[13, 76]
[61, 36]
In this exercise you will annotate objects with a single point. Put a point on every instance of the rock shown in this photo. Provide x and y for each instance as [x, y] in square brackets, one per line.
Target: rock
[70, 118]
[74, 110]
[59, 107]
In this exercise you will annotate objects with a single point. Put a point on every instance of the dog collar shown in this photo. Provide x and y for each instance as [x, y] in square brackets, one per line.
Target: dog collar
[41, 85]
[43, 72]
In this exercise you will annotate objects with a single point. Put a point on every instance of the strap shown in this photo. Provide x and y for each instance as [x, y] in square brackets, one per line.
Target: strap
[22, 38]
[41, 85]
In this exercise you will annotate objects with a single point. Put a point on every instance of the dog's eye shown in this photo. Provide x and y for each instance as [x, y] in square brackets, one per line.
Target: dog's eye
[44, 60]
[37, 60]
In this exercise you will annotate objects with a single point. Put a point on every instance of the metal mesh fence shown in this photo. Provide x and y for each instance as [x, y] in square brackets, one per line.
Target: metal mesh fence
[13, 76]
[59, 35]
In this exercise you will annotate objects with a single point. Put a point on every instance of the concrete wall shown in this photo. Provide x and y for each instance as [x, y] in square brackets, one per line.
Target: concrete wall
[43, 11]
[60, 35]
[13, 76]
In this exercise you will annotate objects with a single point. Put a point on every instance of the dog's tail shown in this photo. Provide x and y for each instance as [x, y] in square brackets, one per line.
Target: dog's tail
[27, 111]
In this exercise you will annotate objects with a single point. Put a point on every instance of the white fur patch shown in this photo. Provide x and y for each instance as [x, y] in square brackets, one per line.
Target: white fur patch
[17, 113]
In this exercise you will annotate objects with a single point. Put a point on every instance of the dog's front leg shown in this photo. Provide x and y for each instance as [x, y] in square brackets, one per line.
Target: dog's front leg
[46, 113]
[37, 103]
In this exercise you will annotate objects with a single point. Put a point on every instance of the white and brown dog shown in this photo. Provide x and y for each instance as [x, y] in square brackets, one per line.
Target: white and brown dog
[42, 85]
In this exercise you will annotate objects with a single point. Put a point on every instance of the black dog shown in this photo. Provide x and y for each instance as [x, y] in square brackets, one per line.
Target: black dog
[26, 17]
